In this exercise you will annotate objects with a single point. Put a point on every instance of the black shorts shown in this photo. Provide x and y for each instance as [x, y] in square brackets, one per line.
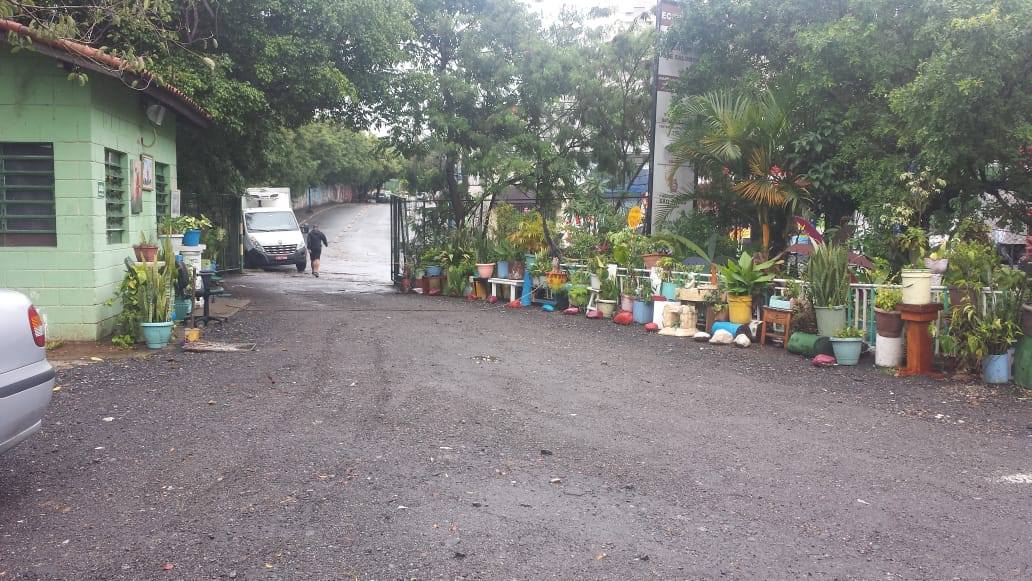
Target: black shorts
[315, 253]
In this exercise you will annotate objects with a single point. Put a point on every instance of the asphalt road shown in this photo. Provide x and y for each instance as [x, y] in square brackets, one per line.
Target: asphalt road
[374, 435]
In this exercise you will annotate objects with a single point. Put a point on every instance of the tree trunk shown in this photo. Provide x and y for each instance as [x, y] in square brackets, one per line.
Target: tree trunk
[454, 195]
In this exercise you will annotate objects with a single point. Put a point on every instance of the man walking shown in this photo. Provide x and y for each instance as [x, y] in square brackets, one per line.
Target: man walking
[316, 240]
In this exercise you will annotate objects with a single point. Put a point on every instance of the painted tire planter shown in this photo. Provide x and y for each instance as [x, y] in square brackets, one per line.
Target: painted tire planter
[890, 324]
[888, 351]
[996, 368]
[503, 268]
[192, 237]
[739, 309]
[485, 270]
[156, 335]
[830, 320]
[434, 270]
[627, 303]
[847, 350]
[641, 312]
[607, 308]
[917, 286]
[668, 290]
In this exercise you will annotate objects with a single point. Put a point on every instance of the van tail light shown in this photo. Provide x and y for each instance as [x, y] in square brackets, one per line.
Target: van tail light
[39, 332]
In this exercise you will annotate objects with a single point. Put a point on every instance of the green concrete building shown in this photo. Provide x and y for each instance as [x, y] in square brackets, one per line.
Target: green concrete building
[72, 157]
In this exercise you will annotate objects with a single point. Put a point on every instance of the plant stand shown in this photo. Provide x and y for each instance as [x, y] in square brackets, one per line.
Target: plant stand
[772, 316]
[919, 342]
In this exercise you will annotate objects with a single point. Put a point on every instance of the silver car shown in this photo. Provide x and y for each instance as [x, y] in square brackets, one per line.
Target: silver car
[26, 377]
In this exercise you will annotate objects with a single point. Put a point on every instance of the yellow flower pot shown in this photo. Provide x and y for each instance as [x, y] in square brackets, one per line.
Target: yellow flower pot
[739, 309]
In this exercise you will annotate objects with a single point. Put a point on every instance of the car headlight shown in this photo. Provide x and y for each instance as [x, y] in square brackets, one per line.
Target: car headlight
[255, 244]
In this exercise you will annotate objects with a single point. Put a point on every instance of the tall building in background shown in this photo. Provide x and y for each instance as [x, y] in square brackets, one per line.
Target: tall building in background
[667, 68]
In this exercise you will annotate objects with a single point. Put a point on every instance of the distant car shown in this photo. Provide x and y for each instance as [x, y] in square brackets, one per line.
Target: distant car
[26, 377]
[383, 197]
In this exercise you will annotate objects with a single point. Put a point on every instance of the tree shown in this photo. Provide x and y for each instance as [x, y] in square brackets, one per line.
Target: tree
[737, 144]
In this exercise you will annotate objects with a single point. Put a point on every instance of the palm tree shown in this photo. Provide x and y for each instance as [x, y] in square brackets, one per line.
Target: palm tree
[733, 141]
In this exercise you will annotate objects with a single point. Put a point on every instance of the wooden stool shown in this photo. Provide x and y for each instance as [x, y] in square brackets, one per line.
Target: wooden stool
[772, 316]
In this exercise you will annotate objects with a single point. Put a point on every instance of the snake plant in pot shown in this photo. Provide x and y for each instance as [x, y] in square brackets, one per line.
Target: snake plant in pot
[155, 292]
[827, 274]
[742, 278]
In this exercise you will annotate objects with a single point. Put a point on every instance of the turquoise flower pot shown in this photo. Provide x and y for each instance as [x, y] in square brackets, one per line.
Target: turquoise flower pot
[847, 350]
[996, 369]
[669, 290]
[156, 335]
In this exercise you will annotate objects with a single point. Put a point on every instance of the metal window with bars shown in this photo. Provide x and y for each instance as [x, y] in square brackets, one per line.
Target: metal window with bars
[115, 195]
[162, 190]
[27, 214]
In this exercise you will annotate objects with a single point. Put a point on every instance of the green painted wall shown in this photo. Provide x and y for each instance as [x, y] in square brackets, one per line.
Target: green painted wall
[72, 283]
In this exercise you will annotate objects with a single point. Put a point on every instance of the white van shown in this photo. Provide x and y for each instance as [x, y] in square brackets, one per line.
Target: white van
[271, 233]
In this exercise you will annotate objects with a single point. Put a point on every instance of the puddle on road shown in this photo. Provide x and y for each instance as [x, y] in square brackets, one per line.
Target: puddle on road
[485, 358]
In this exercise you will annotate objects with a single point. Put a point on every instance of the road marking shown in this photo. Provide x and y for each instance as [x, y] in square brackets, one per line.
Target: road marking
[1017, 479]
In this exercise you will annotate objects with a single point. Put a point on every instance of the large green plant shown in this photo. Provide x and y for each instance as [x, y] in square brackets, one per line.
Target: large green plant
[742, 278]
[156, 287]
[971, 264]
[827, 273]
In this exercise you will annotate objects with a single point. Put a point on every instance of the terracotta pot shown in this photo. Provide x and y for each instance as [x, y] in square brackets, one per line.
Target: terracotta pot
[626, 302]
[721, 316]
[486, 269]
[890, 324]
[651, 259]
[146, 252]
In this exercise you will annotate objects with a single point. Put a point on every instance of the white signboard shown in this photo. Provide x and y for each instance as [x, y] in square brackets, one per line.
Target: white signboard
[669, 67]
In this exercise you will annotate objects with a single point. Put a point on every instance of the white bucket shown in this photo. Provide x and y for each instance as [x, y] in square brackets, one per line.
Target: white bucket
[888, 351]
[657, 312]
[917, 286]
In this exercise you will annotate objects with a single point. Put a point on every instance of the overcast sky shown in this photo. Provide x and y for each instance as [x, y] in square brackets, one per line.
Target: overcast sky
[623, 10]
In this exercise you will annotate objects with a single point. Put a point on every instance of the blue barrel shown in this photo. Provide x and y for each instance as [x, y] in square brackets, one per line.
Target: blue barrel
[503, 268]
[641, 312]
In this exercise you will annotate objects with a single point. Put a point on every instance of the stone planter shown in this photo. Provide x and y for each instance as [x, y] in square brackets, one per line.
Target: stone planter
[607, 308]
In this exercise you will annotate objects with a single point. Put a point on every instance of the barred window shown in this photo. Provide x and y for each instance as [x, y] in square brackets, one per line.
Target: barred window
[27, 215]
[162, 190]
[115, 201]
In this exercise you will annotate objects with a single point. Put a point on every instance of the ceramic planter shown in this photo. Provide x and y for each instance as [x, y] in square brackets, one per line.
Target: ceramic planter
[641, 311]
[156, 335]
[485, 269]
[996, 368]
[890, 324]
[917, 286]
[626, 303]
[847, 350]
[830, 320]
[739, 309]
[607, 308]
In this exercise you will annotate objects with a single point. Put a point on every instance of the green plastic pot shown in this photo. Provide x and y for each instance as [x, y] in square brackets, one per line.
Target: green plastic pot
[847, 349]
[830, 320]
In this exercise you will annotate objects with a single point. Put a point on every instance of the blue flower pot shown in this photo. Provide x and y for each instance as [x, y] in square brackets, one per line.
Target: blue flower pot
[503, 268]
[996, 368]
[641, 312]
[192, 237]
[156, 335]
[433, 271]
[669, 290]
[847, 351]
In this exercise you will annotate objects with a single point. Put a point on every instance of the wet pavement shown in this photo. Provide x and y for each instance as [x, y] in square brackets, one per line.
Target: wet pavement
[375, 435]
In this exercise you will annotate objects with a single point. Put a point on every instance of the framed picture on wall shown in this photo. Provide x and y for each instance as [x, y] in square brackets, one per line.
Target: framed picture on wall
[147, 172]
[136, 193]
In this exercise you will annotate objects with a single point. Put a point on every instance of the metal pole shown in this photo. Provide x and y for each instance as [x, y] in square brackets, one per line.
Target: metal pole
[655, 108]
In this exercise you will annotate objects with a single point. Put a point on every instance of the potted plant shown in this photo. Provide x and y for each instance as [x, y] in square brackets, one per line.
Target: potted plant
[485, 256]
[509, 260]
[608, 296]
[888, 318]
[651, 250]
[579, 295]
[641, 309]
[971, 267]
[716, 313]
[155, 288]
[827, 274]
[559, 292]
[146, 250]
[666, 267]
[742, 279]
[847, 345]
[190, 227]
[917, 280]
